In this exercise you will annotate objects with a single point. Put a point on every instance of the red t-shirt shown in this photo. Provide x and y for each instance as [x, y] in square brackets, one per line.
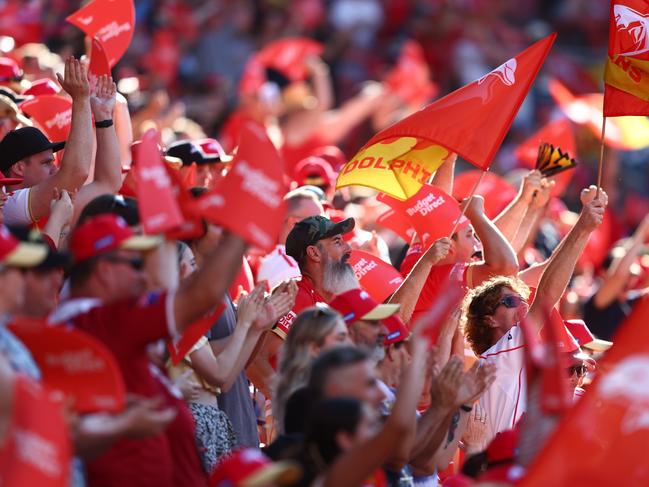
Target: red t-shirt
[126, 328]
[436, 280]
[306, 297]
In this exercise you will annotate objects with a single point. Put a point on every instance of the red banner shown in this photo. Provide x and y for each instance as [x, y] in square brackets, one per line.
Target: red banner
[193, 333]
[156, 202]
[112, 22]
[36, 449]
[376, 276]
[99, 65]
[52, 114]
[608, 427]
[249, 200]
[398, 223]
[410, 78]
[75, 363]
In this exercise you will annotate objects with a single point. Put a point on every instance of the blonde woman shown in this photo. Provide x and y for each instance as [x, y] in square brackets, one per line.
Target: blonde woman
[314, 330]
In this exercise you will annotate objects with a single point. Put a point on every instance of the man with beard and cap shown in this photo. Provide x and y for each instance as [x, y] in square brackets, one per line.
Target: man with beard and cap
[317, 245]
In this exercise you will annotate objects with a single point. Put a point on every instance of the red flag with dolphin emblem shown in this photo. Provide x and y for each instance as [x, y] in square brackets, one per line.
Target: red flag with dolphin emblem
[112, 22]
[471, 121]
[249, 201]
[627, 67]
[609, 426]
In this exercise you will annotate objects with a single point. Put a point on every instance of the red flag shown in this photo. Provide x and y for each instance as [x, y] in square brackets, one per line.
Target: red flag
[249, 200]
[112, 22]
[377, 277]
[497, 192]
[398, 223]
[410, 78]
[626, 133]
[99, 65]
[52, 114]
[432, 212]
[560, 134]
[608, 427]
[192, 224]
[627, 66]
[74, 363]
[193, 333]
[471, 121]
[157, 205]
[441, 309]
[284, 55]
[36, 447]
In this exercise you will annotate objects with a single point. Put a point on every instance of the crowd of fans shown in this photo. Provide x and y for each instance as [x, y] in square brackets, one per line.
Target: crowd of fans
[303, 378]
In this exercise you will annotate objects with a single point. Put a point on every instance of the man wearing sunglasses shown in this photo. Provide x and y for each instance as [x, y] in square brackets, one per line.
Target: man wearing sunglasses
[493, 310]
[107, 286]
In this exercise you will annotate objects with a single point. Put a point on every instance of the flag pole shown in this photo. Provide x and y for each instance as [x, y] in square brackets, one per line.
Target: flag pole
[475, 188]
[601, 158]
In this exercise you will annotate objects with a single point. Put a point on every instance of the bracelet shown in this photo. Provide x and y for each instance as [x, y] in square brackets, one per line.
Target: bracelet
[466, 409]
[104, 124]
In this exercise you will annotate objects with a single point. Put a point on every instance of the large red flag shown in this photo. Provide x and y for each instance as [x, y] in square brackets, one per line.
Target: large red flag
[110, 21]
[377, 277]
[249, 200]
[609, 426]
[471, 121]
[627, 67]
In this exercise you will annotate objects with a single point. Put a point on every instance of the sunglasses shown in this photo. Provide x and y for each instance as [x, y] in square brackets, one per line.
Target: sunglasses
[580, 370]
[512, 301]
[136, 263]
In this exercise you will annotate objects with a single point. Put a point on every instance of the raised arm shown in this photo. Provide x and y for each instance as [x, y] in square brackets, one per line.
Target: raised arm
[75, 164]
[509, 220]
[499, 256]
[206, 287]
[409, 290]
[445, 173]
[561, 265]
[321, 79]
[108, 171]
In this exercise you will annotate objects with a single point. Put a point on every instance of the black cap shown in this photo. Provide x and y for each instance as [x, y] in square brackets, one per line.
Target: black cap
[311, 230]
[115, 204]
[189, 151]
[24, 142]
[55, 259]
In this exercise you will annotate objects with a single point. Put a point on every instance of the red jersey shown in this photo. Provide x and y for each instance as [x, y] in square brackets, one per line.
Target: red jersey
[306, 297]
[436, 280]
[126, 328]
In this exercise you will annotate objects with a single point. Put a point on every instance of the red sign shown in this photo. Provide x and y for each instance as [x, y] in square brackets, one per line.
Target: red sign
[249, 200]
[410, 78]
[36, 447]
[156, 202]
[608, 427]
[432, 212]
[52, 114]
[99, 65]
[376, 276]
[74, 363]
[178, 349]
[398, 223]
[497, 192]
[112, 22]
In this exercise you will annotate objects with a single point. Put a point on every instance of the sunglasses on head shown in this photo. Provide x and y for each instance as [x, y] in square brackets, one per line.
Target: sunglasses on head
[581, 370]
[136, 263]
[512, 301]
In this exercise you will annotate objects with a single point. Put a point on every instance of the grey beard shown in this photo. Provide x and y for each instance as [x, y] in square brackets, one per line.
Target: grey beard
[338, 277]
[377, 354]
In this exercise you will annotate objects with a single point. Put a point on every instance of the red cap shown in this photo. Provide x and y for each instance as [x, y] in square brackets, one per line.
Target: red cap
[332, 154]
[212, 148]
[44, 86]
[503, 447]
[397, 330]
[315, 171]
[104, 233]
[14, 253]
[356, 305]
[250, 468]
[9, 70]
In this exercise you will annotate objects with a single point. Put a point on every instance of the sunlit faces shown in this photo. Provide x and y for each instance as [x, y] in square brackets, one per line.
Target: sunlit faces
[371, 336]
[465, 244]
[36, 168]
[356, 380]
[338, 336]
[511, 309]
[123, 274]
[42, 287]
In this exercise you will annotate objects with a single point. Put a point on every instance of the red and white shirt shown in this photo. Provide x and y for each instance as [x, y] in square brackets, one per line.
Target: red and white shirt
[306, 297]
[505, 401]
[17, 209]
